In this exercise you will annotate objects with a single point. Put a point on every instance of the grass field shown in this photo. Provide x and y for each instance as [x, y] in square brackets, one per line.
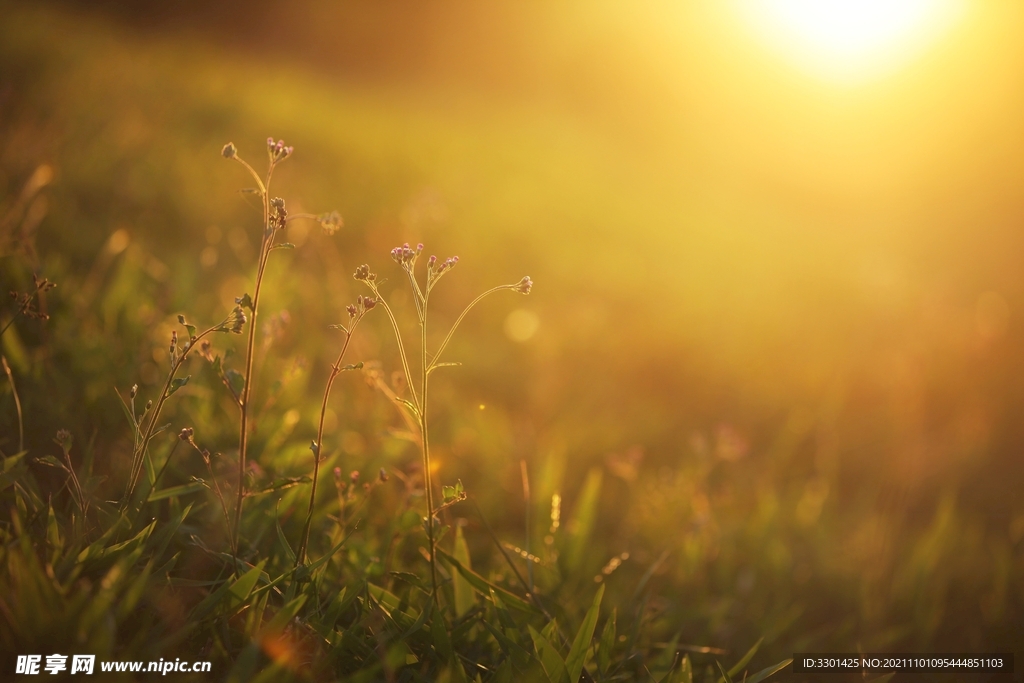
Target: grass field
[762, 399]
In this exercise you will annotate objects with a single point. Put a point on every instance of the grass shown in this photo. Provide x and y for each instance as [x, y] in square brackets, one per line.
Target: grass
[259, 608]
[604, 462]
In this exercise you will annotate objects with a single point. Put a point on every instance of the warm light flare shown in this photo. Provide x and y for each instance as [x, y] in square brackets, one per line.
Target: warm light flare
[850, 38]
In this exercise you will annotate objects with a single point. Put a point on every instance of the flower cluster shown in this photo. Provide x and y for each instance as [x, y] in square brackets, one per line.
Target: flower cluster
[279, 214]
[361, 306]
[405, 256]
[277, 150]
[363, 274]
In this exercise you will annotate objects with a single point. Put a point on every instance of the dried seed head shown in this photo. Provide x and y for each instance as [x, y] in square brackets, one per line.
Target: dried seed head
[186, 433]
[149, 404]
[337, 473]
[383, 475]
[524, 286]
[228, 151]
[354, 476]
[181, 319]
[369, 302]
[134, 391]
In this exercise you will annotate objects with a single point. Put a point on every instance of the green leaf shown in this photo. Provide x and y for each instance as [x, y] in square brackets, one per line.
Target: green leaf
[578, 652]
[484, 586]
[738, 666]
[283, 617]
[236, 382]
[550, 660]
[462, 588]
[584, 517]
[289, 553]
[51, 461]
[520, 656]
[725, 674]
[769, 671]
[182, 490]
[604, 650]
[191, 329]
[240, 589]
[178, 383]
[233, 593]
[439, 634]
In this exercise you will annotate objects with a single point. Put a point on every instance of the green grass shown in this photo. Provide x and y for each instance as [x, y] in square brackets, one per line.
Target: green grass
[710, 520]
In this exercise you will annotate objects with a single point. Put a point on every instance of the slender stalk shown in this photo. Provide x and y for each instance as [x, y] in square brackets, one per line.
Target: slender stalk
[451, 332]
[243, 430]
[17, 404]
[335, 371]
[428, 479]
[140, 453]
[401, 346]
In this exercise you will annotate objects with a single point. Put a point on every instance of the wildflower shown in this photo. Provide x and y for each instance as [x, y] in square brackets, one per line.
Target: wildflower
[363, 274]
[278, 151]
[524, 286]
[354, 476]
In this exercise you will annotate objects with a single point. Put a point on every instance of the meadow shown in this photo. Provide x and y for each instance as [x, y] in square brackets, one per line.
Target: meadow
[752, 403]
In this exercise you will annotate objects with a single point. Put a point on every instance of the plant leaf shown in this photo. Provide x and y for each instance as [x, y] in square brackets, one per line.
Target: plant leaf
[550, 660]
[463, 589]
[769, 671]
[578, 652]
[178, 383]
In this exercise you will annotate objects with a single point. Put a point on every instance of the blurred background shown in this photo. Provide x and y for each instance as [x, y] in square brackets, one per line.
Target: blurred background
[776, 324]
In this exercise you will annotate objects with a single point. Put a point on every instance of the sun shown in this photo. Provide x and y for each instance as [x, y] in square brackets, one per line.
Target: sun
[850, 38]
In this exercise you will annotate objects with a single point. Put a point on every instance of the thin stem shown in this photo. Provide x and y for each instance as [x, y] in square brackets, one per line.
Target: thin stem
[401, 347]
[335, 371]
[243, 430]
[425, 444]
[254, 174]
[474, 302]
[140, 454]
[17, 404]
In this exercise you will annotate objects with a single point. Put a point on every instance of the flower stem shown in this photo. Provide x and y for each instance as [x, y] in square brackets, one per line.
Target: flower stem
[335, 371]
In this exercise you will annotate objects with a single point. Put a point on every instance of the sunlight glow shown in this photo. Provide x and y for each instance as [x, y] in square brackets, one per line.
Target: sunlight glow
[847, 39]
